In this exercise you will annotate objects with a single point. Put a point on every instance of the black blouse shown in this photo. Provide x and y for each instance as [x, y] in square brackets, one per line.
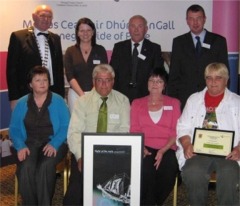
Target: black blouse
[37, 121]
[77, 68]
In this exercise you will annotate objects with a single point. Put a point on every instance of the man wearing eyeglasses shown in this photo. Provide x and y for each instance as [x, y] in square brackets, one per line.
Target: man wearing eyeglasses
[85, 118]
[34, 46]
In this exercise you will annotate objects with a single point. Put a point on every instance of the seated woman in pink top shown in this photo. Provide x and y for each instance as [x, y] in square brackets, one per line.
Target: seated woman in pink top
[156, 116]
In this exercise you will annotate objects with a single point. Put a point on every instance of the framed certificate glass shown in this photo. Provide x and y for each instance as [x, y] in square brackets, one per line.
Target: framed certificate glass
[213, 142]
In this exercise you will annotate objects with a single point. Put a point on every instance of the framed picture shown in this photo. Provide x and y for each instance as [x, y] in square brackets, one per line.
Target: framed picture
[112, 168]
[213, 142]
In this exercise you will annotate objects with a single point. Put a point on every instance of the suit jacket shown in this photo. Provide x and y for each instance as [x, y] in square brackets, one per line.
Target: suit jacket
[23, 54]
[187, 70]
[121, 61]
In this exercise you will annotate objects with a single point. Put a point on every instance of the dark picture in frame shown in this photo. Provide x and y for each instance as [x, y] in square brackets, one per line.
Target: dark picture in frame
[111, 169]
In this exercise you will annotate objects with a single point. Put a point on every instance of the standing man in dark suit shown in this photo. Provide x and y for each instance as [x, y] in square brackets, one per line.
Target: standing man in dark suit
[132, 74]
[34, 46]
[187, 62]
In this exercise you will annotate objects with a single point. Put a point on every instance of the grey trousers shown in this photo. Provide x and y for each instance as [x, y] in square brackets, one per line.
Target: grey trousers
[37, 176]
[196, 174]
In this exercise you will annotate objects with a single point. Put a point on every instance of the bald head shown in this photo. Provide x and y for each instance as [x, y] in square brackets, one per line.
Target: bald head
[42, 17]
[41, 8]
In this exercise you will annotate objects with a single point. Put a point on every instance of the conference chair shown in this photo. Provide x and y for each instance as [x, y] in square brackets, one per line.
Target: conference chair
[62, 167]
[175, 192]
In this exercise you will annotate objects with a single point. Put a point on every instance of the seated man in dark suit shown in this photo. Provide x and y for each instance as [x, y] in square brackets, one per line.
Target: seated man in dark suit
[132, 72]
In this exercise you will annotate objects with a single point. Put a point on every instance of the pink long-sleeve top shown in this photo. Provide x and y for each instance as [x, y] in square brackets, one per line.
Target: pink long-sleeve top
[155, 135]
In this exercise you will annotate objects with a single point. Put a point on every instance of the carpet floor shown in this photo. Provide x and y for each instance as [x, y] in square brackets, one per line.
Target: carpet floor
[7, 191]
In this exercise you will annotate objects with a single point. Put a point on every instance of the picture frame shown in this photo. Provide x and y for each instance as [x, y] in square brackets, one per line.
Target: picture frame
[213, 142]
[112, 165]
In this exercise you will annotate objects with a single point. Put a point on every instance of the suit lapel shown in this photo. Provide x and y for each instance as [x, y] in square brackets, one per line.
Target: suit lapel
[207, 40]
[51, 44]
[189, 46]
[31, 40]
[128, 54]
[144, 49]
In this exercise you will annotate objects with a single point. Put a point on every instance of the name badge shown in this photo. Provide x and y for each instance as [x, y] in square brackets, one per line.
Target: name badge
[96, 61]
[141, 56]
[114, 116]
[167, 108]
[207, 46]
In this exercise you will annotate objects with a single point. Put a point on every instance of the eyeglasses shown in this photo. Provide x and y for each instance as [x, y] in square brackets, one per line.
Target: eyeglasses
[43, 16]
[158, 82]
[100, 81]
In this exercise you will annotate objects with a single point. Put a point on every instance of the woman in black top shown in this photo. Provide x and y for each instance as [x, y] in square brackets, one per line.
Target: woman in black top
[81, 58]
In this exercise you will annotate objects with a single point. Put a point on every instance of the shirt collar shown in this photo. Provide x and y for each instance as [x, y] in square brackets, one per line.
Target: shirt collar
[36, 31]
[139, 48]
[140, 43]
[201, 35]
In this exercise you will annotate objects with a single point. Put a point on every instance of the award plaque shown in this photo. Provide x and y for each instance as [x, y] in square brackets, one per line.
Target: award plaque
[213, 142]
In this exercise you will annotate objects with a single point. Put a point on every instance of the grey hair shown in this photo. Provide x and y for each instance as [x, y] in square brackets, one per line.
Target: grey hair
[140, 17]
[105, 68]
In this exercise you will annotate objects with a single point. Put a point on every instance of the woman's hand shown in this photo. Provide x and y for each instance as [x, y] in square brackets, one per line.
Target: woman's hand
[146, 152]
[49, 151]
[22, 154]
[188, 151]
[187, 147]
[158, 158]
[235, 154]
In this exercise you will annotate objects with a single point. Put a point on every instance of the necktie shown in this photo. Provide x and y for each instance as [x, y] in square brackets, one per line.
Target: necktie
[102, 116]
[134, 63]
[44, 34]
[198, 46]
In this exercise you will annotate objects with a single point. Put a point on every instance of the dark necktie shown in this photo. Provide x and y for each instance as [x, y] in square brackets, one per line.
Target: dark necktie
[198, 46]
[134, 63]
[44, 34]
[102, 116]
